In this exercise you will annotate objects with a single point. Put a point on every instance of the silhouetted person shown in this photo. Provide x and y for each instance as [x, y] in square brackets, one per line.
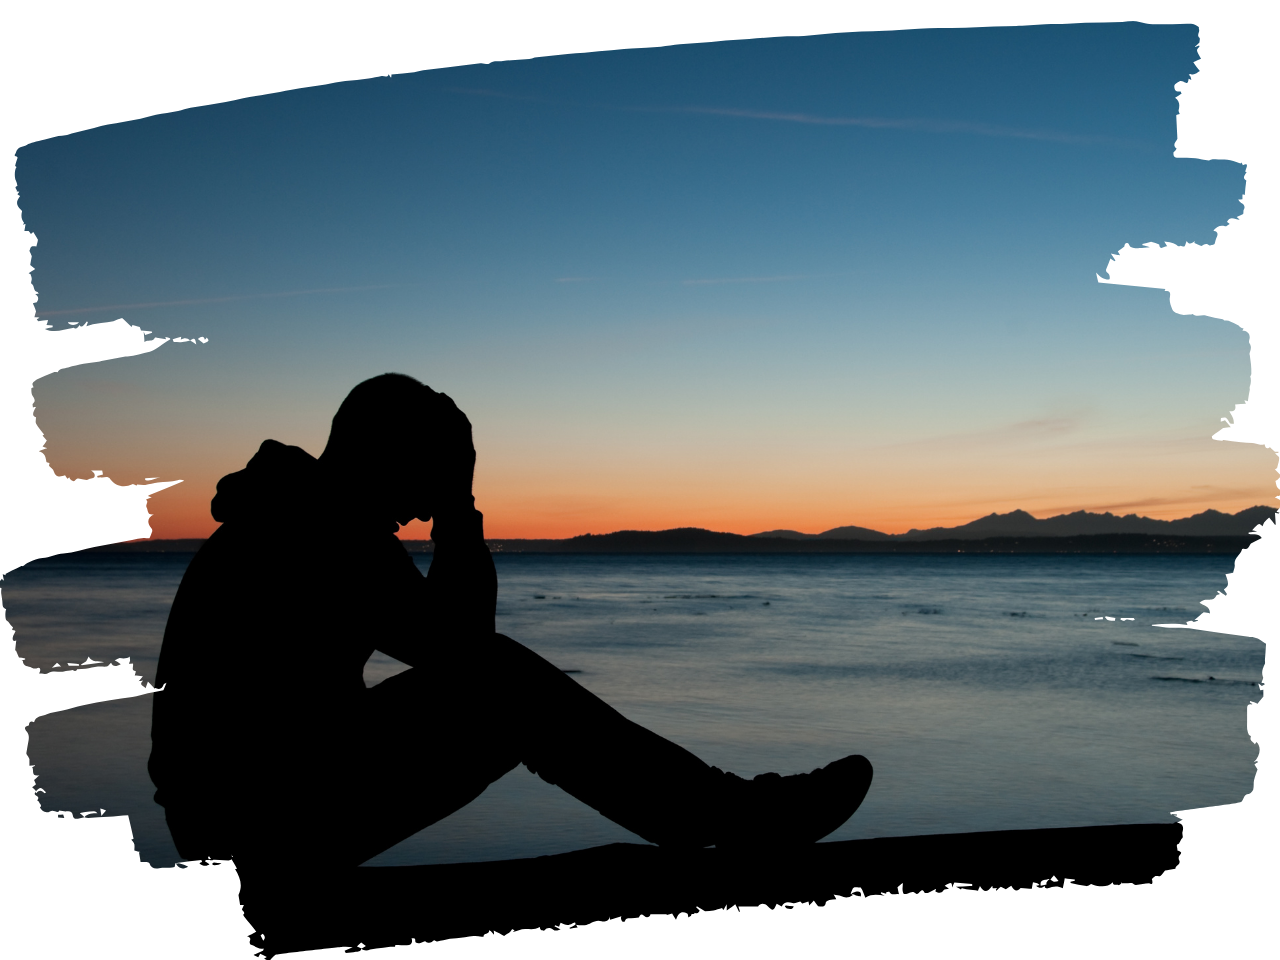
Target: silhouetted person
[268, 747]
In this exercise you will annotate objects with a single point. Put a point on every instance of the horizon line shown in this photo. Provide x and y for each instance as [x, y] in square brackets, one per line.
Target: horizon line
[1274, 508]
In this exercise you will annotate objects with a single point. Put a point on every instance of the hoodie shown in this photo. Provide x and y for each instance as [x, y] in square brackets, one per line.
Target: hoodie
[262, 662]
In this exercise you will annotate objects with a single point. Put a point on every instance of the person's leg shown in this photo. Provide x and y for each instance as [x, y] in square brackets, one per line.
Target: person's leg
[432, 739]
[334, 786]
[506, 700]
[424, 755]
[436, 737]
[571, 738]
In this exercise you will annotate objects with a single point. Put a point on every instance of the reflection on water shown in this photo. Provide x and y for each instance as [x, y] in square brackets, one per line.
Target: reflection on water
[985, 689]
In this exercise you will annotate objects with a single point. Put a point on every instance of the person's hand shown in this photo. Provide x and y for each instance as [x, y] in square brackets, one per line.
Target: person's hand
[453, 459]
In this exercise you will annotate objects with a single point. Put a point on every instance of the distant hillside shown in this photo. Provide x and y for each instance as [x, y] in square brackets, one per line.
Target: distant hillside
[693, 540]
[1210, 523]
[1019, 523]
[1016, 532]
[839, 533]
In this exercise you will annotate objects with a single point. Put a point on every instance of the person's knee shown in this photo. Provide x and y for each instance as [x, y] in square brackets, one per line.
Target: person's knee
[513, 653]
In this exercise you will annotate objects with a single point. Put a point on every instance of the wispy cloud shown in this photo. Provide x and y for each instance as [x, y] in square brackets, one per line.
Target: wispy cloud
[188, 303]
[923, 124]
[791, 276]
[920, 124]
[1045, 426]
[1203, 495]
[1071, 499]
[927, 126]
[1019, 432]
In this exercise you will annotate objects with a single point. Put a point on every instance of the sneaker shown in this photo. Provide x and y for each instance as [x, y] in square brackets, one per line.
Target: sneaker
[772, 810]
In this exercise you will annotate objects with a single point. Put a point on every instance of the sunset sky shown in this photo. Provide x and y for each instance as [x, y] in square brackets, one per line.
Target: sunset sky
[793, 283]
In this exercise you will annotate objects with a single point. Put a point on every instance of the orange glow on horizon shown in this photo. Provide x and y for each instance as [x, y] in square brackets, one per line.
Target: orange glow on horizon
[187, 517]
[537, 493]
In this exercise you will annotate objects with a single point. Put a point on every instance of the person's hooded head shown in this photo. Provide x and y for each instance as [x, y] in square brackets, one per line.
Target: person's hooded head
[401, 447]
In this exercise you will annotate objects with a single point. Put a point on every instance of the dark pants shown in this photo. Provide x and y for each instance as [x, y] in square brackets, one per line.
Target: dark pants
[430, 740]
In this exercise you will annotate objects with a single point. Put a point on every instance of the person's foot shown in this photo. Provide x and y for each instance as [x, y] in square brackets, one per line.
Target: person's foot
[773, 810]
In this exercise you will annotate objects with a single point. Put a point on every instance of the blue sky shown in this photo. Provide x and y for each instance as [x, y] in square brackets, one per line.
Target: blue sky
[795, 282]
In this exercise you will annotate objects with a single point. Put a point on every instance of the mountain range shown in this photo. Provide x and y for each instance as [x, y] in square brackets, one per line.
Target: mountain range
[1018, 532]
[1019, 523]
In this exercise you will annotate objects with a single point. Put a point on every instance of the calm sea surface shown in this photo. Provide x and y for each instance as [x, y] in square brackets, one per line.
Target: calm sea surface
[984, 689]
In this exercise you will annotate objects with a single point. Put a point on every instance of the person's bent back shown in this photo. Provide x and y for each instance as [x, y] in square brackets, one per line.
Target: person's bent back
[268, 748]
[261, 667]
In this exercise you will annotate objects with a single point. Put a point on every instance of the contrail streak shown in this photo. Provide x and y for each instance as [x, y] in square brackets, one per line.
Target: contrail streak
[893, 123]
[188, 303]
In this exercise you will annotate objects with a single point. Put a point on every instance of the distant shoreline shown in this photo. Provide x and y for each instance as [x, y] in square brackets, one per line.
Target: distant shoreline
[1016, 532]
[696, 541]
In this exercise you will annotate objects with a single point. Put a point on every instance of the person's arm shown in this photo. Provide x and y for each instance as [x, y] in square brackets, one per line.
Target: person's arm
[458, 600]
[422, 619]
[462, 584]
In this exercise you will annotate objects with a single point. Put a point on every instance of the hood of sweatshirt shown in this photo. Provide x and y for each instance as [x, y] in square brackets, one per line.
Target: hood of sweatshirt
[279, 483]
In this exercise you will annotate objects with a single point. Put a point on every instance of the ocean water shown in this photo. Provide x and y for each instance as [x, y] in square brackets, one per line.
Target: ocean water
[989, 691]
